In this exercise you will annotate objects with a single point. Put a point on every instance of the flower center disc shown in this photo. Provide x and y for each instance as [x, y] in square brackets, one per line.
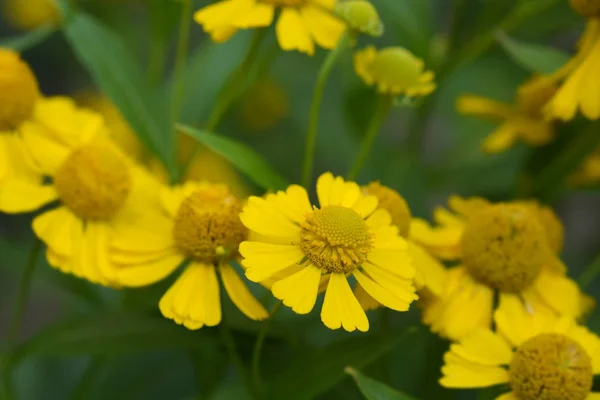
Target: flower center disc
[551, 366]
[93, 182]
[18, 90]
[504, 247]
[208, 227]
[336, 239]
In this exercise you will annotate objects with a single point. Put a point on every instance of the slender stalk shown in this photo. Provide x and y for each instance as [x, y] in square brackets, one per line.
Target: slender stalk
[590, 274]
[230, 348]
[258, 346]
[179, 83]
[311, 136]
[383, 108]
[88, 378]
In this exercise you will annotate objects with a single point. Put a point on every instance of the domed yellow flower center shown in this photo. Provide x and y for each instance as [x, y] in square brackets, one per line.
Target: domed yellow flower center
[395, 204]
[208, 227]
[285, 3]
[336, 239]
[551, 366]
[504, 247]
[396, 67]
[93, 182]
[587, 8]
[18, 90]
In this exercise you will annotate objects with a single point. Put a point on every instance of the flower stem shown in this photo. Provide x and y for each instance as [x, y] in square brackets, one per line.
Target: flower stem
[311, 136]
[257, 351]
[590, 274]
[179, 84]
[230, 348]
[383, 108]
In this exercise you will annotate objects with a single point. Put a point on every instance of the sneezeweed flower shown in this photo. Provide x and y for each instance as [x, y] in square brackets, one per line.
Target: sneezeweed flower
[264, 105]
[300, 25]
[30, 14]
[92, 183]
[394, 71]
[19, 92]
[538, 356]
[588, 172]
[430, 273]
[361, 16]
[302, 249]
[506, 248]
[524, 121]
[580, 88]
[199, 223]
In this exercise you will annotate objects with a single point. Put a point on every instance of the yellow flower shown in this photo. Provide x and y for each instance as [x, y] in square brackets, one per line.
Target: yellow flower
[361, 16]
[30, 14]
[94, 184]
[581, 86]
[394, 70]
[525, 120]
[539, 356]
[19, 91]
[588, 173]
[198, 223]
[510, 248]
[302, 248]
[264, 105]
[301, 24]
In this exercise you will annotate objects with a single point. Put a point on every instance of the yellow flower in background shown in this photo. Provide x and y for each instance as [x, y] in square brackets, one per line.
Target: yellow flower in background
[506, 248]
[361, 16]
[301, 23]
[588, 173]
[199, 223]
[525, 120]
[30, 14]
[580, 89]
[264, 105]
[539, 356]
[394, 71]
[430, 273]
[93, 183]
[303, 248]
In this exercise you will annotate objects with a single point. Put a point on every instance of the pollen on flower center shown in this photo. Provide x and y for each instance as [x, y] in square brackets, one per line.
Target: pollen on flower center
[285, 3]
[18, 90]
[504, 247]
[208, 227]
[395, 204]
[551, 366]
[93, 182]
[336, 239]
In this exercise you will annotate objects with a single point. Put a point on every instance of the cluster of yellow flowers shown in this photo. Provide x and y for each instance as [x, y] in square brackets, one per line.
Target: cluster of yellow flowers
[486, 275]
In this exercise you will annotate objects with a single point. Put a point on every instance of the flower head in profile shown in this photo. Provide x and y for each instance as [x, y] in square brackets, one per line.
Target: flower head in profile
[525, 120]
[301, 23]
[199, 223]
[394, 71]
[509, 249]
[90, 184]
[588, 172]
[302, 249]
[539, 356]
[361, 16]
[580, 88]
[30, 14]
[430, 276]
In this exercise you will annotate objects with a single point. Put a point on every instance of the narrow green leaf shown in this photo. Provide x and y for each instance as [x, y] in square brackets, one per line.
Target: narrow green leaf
[113, 332]
[375, 390]
[241, 156]
[116, 72]
[28, 40]
[532, 56]
[317, 371]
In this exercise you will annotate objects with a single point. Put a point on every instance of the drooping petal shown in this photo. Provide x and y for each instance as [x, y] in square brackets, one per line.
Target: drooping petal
[459, 373]
[430, 273]
[341, 308]
[500, 139]
[484, 347]
[60, 229]
[517, 322]
[292, 34]
[381, 293]
[367, 302]
[240, 295]
[18, 196]
[264, 218]
[559, 292]
[264, 260]
[324, 28]
[137, 275]
[47, 152]
[261, 14]
[299, 291]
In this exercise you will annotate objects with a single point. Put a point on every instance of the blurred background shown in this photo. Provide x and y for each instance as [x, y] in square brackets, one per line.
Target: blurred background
[426, 152]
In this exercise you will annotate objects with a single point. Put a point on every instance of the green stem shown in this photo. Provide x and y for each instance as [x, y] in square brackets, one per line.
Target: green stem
[231, 89]
[258, 346]
[230, 348]
[179, 83]
[383, 108]
[88, 378]
[311, 136]
[590, 274]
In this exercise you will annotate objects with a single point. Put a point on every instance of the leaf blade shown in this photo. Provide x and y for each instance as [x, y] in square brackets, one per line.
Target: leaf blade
[24, 42]
[532, 56]
[373, 389]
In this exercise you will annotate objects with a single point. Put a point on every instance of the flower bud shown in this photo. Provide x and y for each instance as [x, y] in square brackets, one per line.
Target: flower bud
[360, 15]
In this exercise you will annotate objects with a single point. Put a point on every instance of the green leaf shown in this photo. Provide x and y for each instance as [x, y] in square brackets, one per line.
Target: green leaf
[113, 332]
[116, 72]
[317, 371]
[375, 390]
[241, 156]
[28, 40]
[532, 56]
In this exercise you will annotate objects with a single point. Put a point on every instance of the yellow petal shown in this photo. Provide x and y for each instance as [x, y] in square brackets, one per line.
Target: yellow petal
[299, 291]
[591, 396]
[444, 242]
[60, 229]
[172, 197]
[401, 287]
[590, 93]
[323, 27]
[292, 34]
[324, 184]
[148, 273]
[367, 302]
[293, 203]
[264, 218]
[340, 308]
[507, 396]
[240, 295]
[483, 346]
[365, 206]
[429, 271]
[517, 322]
[17, 196]
[264, 260]
[459, 373]
[501, 139]
[259, 15]
[380, 293]
[559, 292]
[194, 299]
[380, 218]
[350, 195]
[94, 253]
[483, 107]
[46, 151]
[139, 239]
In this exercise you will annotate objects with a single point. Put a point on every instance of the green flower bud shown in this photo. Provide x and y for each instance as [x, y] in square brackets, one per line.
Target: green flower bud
[360, 15]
